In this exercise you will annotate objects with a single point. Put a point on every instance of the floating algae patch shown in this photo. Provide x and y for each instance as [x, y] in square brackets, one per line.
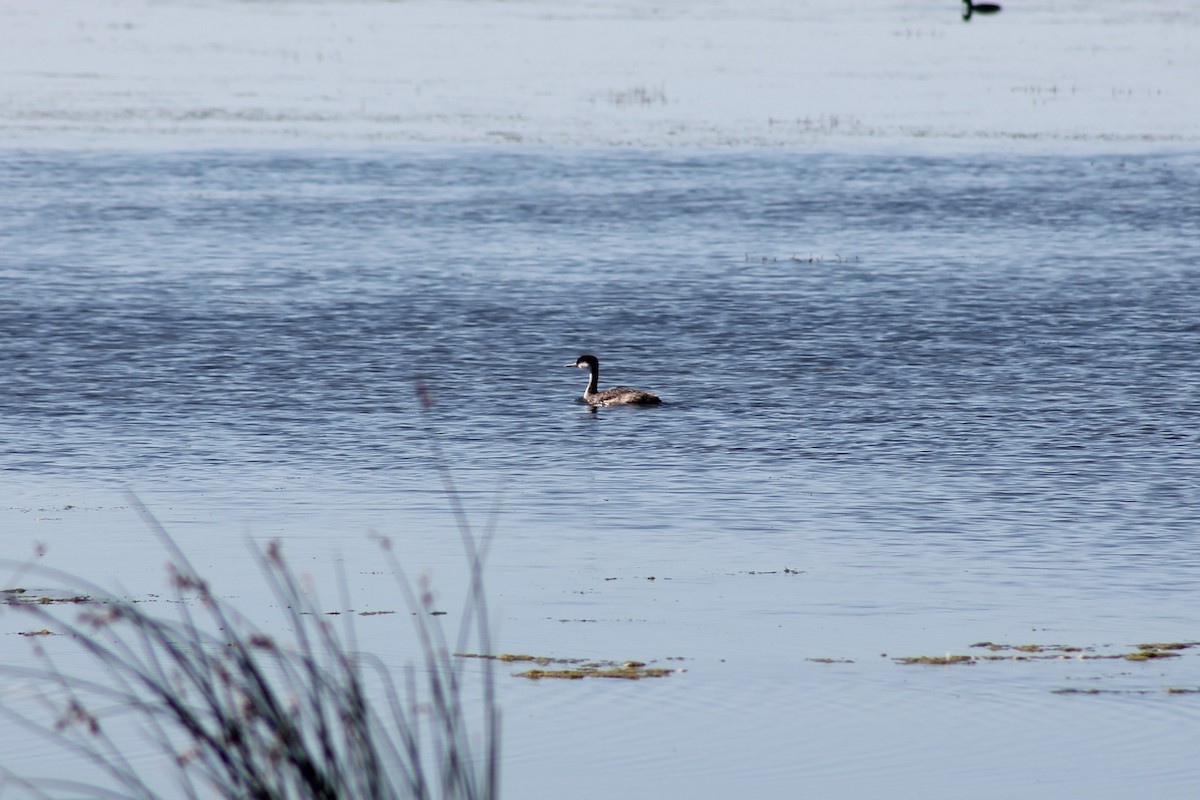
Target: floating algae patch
[541, 661]
[1032, 652]
[1145, 652]
[1166, 690]
[577, 668]
[1148, 655]
[597, 671]
[1104, 691]
[1032, 648]
[1168, 646]
[939, 660]
[1054, 652]
[784, 571]
[21, 596]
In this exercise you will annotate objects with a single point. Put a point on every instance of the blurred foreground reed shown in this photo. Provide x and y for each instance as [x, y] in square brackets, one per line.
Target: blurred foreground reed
[238, 713]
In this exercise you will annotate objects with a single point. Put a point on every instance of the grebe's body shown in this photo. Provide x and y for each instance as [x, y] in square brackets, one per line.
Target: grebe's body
[616, 396]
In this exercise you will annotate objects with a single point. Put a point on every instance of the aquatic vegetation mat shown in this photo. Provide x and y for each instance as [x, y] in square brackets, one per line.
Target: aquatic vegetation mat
[1145, 652]
[22, 596]
[578, 668]
[1053, 652]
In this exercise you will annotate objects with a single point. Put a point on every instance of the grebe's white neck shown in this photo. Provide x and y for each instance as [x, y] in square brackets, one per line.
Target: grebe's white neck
[592, 365]
[593, 381]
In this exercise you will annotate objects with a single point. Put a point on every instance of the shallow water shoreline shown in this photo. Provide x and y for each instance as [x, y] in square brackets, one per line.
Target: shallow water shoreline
[139, 74]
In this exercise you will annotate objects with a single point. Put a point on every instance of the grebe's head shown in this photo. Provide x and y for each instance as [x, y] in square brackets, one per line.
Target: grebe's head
[585, 361]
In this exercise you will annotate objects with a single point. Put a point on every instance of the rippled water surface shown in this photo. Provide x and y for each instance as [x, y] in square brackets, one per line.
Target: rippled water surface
[958, 395]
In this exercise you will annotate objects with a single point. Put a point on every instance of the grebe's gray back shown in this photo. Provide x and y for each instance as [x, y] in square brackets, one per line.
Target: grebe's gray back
[616, 396]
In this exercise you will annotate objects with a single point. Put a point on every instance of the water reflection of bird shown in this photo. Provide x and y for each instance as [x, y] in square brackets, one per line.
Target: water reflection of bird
[616, 396]
[970, 8]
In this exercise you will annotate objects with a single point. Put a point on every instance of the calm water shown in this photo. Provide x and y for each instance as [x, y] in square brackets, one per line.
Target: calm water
[962, 395]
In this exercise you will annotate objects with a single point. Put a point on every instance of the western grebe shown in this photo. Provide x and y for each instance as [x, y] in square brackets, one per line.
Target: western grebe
[616, 396]
[970, 7]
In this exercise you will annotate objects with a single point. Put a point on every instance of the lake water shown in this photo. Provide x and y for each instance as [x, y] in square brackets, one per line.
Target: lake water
[959, 395]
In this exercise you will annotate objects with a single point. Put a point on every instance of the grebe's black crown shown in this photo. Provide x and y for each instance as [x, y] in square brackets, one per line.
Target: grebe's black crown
[587, 359]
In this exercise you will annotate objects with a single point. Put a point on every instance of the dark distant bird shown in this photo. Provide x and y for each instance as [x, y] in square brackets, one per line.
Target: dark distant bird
[970, 8]
[616, 396]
